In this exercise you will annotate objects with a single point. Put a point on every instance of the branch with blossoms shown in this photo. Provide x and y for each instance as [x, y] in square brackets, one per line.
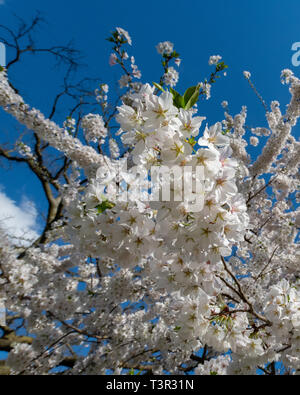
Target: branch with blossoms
[120, 37]
[170, 76]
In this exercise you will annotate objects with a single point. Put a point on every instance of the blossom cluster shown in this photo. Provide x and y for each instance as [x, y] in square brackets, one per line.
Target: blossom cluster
[144, 284]
[94, 128]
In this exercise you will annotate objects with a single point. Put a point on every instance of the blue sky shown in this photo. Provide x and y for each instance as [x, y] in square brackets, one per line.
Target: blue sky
[254, 35]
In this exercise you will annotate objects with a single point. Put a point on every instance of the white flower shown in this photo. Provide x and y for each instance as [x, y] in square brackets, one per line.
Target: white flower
[254, 141]
[124, 33]
[176, 151]
[113, 59]
[171, 77]
[114, 148]
[177, 62]
[225, 185]
[206, 87]
[165, 47]
[128, 117]
[224, 104]
[247, 74]
[213, 136]
[124, 81]
[160, 109]
[209, 159]
[286, 76]
[189, 125]
[214, 59]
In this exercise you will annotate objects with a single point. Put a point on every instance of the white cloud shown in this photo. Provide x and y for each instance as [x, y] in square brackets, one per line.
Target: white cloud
[18, 221]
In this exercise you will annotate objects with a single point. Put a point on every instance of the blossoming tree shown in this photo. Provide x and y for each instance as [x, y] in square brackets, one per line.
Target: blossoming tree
[119, 282]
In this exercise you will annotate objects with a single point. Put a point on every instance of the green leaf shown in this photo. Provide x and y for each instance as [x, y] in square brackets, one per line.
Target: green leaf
[191, 97]
[192, 141]
[158, 86]
[178, 100]
[115, 35]
[106, 204]
[175, 54]
[212, 373]
[189, 93]
[177, 328]
[253, 335]
[174, 93]
[221, 66]
[1, 68]
[226, 131]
